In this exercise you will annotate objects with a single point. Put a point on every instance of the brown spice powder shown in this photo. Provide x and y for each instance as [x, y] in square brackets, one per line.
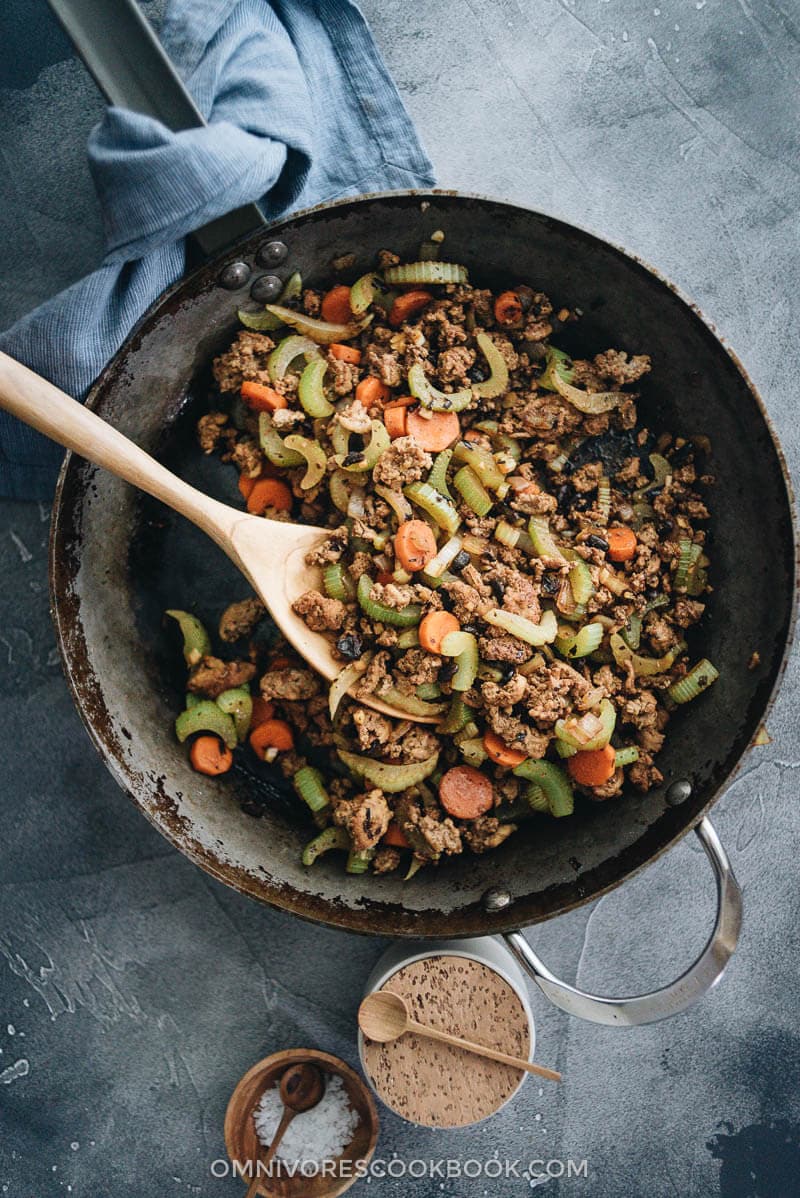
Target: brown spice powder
[434, 1084]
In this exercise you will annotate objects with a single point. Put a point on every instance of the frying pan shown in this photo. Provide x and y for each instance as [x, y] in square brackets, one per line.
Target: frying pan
[118, 560]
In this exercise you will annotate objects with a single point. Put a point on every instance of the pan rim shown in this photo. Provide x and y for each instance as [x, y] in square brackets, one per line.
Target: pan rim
[369, 916]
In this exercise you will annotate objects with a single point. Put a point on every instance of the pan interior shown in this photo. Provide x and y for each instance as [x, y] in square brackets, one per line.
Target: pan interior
[120, 559]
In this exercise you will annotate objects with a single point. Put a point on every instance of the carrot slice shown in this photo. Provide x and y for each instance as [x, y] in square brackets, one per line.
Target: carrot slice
[592, 767]
[408, 305]
[396, 421]
[384, 577]
[435, 432]
[269, 492]
[263, 710]
[246, 484]
[371, 391]
[621, 544]
[395, 836]
[345, 353]
[499, 751]
[434, 628]
[279, 663]
[414, 545]
[261, 398]
[472, 434]
[209, 755]
[272, 734]
[466, 793]
[336, 305]
[508, 308]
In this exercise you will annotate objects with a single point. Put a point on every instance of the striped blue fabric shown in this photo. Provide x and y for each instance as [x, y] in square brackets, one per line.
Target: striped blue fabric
[301, 109]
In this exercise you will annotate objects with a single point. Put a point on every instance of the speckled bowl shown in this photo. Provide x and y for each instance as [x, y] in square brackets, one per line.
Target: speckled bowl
[244, 1148]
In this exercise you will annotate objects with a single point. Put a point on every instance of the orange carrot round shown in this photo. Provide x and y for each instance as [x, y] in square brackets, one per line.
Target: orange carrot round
[408, 305]
[345, 353]
[263, 710]
[336, 305]
[395, 836]
[434, 628]
[472, 434]
[508, 308]
[414, 545]
[385, 577]
[269, 492]
[434, 433]
[621, 544]
[592, 767]
[209, 755]
[371, 391]
[272, 734]
[261, 398]
[466, 793]
[246, 484]
[396, 421]
[500, 752]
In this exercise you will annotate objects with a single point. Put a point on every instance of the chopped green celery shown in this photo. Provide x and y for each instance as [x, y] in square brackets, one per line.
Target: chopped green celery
[472, 491]
[604, 499]
[473, 751]
[412, 703]
[402, 618]
[358, 860]
[536, 798]
[237, 703]
[397, 502]
[286, 351]
[553, 781]
[338, 583]
[588, 731]
[632, 632]
[625, 756]
[522, 628]
[307, 781]
[314, 455]
[699, 678]
[580, 581]
[556, 358]
[582, 642]
[362, 293]
[429, 396]
[390, 778]
[482, 462]
[565, 750]
[438, 475]
[408, 638]
[468, 732]
[543, 541]
[440, 510]
[644, 667]
[448, 553]
[591, 403]
[687, 559]
[196, 641]
[463, 646]
[378, 443]
[458, 716]
[192, 699]
[206, 716]
[426, 271]
[330, 838]
[311, 390]
[429, 690]
[273, 445]
[339, 487]
[497, 381]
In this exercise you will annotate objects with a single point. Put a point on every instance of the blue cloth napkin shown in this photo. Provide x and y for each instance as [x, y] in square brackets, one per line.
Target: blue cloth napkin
[301, 109]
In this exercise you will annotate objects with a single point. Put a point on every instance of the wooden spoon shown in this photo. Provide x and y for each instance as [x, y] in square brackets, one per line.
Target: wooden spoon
[302, 1087]
[384, 1016]
[270, 553]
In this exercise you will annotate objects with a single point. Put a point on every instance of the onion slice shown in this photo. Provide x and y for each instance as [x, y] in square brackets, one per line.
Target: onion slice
[322, 331]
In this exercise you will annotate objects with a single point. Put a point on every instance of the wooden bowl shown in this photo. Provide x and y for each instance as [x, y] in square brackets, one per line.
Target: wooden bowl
[242, 1143]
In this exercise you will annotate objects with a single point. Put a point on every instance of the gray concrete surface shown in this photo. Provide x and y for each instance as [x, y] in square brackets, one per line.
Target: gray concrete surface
[133, 989]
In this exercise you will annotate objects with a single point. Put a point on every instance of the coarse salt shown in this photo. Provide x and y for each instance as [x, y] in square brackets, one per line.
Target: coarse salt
[314, 1136]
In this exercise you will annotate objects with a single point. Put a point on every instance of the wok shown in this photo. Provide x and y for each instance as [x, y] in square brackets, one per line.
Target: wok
[118, 560]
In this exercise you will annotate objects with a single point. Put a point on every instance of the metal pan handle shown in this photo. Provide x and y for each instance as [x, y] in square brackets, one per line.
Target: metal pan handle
[678, 995]
[129, 65]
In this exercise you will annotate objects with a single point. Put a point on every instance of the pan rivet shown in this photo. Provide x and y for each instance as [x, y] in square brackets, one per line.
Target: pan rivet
[266, 288]
[679, 792]
[496, 899]
[234, 276]
[272, 253]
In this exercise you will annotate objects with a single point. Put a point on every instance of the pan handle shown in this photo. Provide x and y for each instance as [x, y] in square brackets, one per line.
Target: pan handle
[130, 67]
[678, 995]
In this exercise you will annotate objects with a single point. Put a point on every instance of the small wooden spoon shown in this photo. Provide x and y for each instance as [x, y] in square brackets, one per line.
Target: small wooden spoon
[384, 1016]
[302, 1087]
[270, 553]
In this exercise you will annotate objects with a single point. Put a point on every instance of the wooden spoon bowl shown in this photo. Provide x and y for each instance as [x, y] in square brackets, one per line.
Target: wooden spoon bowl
[243, 1145]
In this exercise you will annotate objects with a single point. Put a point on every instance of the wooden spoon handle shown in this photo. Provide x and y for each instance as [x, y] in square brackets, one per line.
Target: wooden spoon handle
[494, 1054]
[44, 407]
[286, 1119]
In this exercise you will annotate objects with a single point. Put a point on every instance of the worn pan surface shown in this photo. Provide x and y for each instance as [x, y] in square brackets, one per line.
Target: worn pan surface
[119, 560]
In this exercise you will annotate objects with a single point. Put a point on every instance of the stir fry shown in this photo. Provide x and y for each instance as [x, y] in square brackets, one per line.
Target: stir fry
[510, 553]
